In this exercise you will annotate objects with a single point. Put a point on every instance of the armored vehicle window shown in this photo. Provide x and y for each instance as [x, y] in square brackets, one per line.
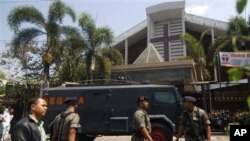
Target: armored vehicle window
[164, 97]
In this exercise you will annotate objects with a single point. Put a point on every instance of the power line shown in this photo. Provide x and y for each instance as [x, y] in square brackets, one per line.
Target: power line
[19, 1]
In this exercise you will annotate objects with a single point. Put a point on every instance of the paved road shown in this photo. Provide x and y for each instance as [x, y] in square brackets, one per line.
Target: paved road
[127, 138]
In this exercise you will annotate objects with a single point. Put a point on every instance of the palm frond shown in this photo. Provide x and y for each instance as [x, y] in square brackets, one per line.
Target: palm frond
[203, 34]
[87, 24]
[194, 47]
[237, 25]
[58, 10]
[73, 38]
[69, 31]
[224, 44]
[114, 55]
[25, 14]
[245, 38]
[23, 37]
[103, 35]
[104, 66]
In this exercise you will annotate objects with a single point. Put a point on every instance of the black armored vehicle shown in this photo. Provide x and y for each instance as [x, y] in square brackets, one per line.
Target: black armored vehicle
[108, 110]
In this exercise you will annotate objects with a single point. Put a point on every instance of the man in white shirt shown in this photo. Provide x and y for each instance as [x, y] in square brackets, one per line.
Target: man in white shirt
[6, 123]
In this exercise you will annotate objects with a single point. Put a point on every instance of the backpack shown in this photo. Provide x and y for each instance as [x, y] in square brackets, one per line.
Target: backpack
[63, 116]
[202, 130]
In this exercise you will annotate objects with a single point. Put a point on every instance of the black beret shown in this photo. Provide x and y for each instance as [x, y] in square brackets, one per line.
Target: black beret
[70, 100]
[142, 98]
[190, 98]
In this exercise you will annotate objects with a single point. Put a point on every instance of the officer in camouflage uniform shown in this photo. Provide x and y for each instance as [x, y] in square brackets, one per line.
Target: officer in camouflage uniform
[141, 121]
[66, 123]
[194, 122]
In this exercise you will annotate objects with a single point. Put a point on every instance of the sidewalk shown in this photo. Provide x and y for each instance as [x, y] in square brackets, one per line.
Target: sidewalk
[127, 138]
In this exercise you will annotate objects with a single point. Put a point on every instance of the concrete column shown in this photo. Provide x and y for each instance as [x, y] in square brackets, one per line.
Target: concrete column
[149, 29]
[126, 51]
[212, 34]
[184, 31]
[215, 56]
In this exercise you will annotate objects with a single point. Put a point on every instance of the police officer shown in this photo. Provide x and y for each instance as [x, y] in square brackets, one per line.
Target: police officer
[141, 121]
[66, 123]
[194, 122]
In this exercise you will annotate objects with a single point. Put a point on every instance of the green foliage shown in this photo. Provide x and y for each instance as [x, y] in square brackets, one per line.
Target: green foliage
[248, 102]
[194, 47]
[103, 68]
[72, 72]
[58, 10]
[236, 39]
[237, 25]
[23, 14]
[236, 74]
[2, 75]
[70, 50]
[196, 52]
[240, 5]
[240, 28]
[98, 58]
[51, 28]
[2, 94]
[114, 55]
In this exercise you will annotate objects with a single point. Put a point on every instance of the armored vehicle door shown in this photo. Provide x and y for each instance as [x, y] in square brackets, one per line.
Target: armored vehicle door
[94, 112]
[166, 102]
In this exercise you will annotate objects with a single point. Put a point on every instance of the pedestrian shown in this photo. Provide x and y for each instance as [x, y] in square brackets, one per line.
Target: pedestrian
[141, 121]
[65, 124]
[30, 128]
[8, 116]
[1, 124]
[194, 122]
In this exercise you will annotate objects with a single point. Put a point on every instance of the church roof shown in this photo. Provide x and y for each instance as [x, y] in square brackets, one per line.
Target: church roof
[192, 22]
[149, 55]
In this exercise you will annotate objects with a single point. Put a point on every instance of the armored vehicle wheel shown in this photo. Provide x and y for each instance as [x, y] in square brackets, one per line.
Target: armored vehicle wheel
[161, 133]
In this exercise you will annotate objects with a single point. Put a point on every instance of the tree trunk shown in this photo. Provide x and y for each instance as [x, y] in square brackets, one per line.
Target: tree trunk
[91, 68]
[46, 73]
[201, 71]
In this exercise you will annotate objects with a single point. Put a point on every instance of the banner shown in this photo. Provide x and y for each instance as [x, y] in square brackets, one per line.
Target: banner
[234, 59]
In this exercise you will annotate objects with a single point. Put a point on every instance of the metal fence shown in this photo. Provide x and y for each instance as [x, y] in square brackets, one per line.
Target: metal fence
[17, 95]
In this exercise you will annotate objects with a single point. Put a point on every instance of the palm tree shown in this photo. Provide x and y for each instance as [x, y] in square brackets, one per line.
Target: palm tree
[107, 58]
[241, 5]
[50, 28]
[72, 61]
[95, 39]
[237, 37]
[77, 49]
[196, 52]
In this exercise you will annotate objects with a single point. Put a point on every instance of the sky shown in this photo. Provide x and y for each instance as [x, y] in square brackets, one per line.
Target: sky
[119, 15]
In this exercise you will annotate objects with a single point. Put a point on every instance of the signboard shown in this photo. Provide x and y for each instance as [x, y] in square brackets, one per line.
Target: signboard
[234, 59]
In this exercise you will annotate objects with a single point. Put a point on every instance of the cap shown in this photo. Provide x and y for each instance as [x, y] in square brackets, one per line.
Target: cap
[142, 98]
[70, 100]
[190, 98]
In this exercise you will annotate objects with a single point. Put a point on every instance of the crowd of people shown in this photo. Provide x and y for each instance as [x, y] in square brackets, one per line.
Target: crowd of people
[6, 115]
[220, 119]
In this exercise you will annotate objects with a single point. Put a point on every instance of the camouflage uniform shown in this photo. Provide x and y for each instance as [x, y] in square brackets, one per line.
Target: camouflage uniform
[194, 124]
[62, 126]
[140, 120]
